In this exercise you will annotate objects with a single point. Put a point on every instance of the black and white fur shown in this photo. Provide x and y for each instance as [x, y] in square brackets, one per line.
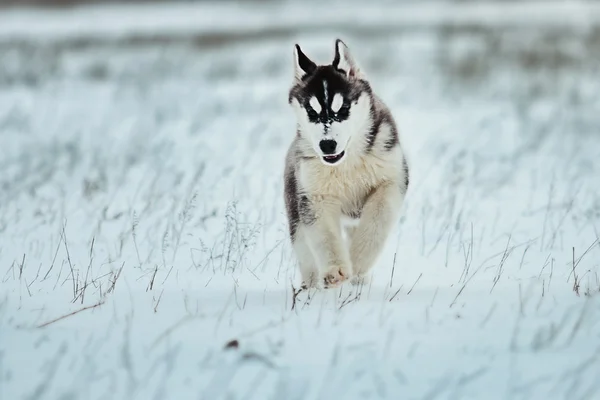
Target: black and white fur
[345, 163]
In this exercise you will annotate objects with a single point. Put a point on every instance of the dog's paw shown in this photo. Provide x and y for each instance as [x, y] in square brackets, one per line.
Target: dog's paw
[335, 275]
[310, 280]
[358, 280]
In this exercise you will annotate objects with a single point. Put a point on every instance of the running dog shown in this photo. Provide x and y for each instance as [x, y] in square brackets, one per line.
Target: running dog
[345, 175]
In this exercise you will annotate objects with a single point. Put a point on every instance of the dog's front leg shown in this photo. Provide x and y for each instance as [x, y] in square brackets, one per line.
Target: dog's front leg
[378, 216]
[324, 237]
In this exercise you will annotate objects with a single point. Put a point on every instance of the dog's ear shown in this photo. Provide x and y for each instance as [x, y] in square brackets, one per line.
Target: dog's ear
[344, 61]
[302, 64]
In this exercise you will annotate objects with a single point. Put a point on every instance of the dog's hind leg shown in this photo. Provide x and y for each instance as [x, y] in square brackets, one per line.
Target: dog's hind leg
[379, 214]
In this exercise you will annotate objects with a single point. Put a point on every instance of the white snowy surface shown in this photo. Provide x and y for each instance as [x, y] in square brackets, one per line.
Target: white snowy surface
[147, 181]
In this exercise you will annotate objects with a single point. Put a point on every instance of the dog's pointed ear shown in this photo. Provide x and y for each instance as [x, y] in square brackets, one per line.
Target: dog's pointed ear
[344, 61]
[302, 64]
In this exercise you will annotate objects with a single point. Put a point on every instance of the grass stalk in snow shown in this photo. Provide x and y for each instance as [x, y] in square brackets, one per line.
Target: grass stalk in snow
[71, 314]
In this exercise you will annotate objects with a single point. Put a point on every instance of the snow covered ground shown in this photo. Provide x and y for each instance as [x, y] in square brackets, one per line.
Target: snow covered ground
[143, 243]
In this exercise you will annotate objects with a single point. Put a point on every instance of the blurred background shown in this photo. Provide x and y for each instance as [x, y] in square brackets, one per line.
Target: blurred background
[164, 81]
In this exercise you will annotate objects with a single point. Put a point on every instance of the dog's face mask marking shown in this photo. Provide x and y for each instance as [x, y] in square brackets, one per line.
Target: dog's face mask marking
[330, 106]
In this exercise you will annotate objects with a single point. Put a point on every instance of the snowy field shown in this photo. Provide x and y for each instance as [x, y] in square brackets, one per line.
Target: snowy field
[143, 241]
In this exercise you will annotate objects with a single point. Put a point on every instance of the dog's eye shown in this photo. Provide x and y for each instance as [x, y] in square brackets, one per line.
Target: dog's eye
[344, 109]
[312, 114]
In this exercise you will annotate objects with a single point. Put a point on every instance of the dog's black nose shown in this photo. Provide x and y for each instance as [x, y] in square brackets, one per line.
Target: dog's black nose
[327, 146]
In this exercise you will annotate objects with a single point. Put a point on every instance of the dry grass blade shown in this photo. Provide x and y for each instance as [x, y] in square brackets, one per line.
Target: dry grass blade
[295, 293]
[70, 314]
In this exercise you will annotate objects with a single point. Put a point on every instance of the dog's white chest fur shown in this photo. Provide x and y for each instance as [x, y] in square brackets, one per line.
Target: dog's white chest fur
[350, 183]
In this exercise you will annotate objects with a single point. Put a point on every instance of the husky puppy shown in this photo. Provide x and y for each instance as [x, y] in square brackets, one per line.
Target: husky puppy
[345, 163]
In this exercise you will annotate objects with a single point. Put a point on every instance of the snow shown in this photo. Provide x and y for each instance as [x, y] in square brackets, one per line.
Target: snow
[141, 190]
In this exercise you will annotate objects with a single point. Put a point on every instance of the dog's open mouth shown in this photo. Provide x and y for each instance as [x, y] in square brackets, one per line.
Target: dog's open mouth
[334, 159]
